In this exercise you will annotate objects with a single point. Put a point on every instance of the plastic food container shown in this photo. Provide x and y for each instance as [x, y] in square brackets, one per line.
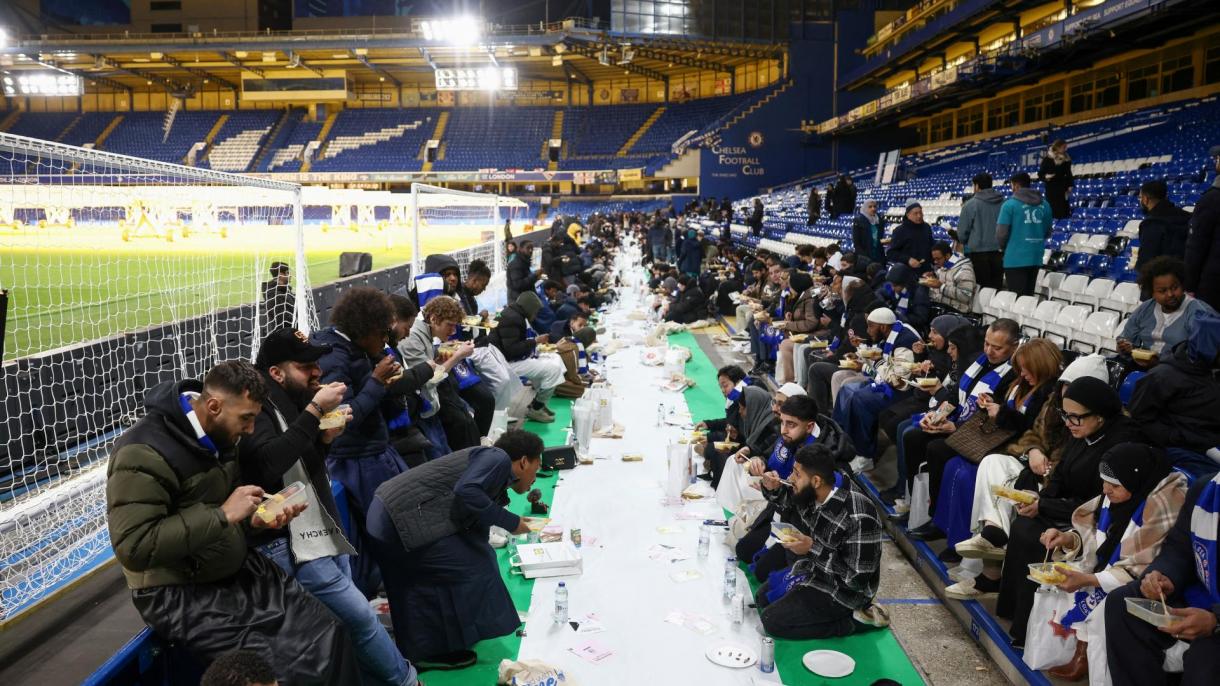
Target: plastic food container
[927, 381]
[1048, 573]
[1141, 354]
[1023, 497]
[333, 419]
[271, 508]
[1151, 611]
[784, 532]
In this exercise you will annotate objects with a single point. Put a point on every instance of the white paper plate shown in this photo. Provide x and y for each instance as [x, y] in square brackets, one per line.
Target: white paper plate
[734, 656]
[828, 663]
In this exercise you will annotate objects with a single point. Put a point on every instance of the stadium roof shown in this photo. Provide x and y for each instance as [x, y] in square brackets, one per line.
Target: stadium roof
[181, 62]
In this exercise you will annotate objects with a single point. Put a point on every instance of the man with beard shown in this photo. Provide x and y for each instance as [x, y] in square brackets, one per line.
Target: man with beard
[178, 521]
[289, 445]
[829, 591]
[799, 425]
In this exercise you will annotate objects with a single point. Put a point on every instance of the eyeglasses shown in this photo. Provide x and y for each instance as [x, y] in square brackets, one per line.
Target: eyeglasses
[1074, 419]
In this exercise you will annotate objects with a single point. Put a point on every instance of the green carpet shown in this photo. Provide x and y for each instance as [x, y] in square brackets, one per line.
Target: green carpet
[492, 651]
[877, 653]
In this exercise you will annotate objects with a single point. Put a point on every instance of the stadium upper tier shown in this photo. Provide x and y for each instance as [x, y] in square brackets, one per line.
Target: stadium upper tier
[1111, 158]
[393, 139]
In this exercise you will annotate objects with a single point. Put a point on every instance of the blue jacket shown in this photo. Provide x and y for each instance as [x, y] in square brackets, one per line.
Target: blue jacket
[545, 317]
[690, 255]
[366, 435]
[1142, 323]
[1022, 228]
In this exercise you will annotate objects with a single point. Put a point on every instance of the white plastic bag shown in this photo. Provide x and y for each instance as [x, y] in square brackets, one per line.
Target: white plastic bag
[920, 500]
[1044, 647]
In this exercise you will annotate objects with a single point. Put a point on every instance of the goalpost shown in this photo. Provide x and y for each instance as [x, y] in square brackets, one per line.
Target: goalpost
[119, 273]
[467, 226]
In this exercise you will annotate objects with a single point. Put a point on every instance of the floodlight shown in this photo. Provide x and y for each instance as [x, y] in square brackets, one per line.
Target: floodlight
[456, 31]
[50, 84]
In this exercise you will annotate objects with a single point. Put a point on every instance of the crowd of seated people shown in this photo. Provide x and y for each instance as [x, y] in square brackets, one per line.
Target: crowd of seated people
[884, 347]
[393, 399]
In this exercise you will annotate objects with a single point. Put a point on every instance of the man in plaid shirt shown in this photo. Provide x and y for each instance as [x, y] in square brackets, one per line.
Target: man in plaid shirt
[829, 590]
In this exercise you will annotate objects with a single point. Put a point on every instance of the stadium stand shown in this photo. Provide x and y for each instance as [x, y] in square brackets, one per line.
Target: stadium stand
[239, 140]
[376, 139]
[142, 134]
[479, 138]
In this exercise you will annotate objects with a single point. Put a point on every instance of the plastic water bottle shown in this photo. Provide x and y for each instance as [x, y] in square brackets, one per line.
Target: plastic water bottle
[730, 578]
[766, 663]
[561, 604]
[660, 414]
[705, 542]
[737, 609]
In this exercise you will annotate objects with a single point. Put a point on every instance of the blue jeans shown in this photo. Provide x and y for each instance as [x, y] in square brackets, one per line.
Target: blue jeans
[329, 579]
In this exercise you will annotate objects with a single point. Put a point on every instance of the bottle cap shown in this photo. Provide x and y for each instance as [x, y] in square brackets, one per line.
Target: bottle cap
[562, 584]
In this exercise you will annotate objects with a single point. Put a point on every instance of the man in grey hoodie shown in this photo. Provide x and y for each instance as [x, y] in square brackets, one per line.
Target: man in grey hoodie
[976, 230]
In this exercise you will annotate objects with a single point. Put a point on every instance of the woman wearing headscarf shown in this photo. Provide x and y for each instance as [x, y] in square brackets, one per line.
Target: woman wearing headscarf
[758, 428]
[1024, 464]
[732, 382]
[932, 361]
[867, 230]
[1112, 539]
[964, 345]
[1094, 417]
[1055, 173]
[911, 243]
[690, 254]
[1037, 363]
[801, 318]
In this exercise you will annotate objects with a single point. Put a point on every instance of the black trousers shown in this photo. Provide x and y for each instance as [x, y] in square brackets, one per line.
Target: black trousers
[818, 385]
[483, 403]
[916, 447]
[988, 269]
[1021, 280]
[1016, 590]
[804, 613]
[715, 458]
[1136, 650]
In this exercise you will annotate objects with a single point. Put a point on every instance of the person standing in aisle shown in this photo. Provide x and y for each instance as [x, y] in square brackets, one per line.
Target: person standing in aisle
[1203, 243]
[1022, 228]
[1055, 173]
[976, 230]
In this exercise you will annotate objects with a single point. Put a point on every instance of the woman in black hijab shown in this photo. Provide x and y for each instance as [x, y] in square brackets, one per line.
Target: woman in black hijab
[1094, 417]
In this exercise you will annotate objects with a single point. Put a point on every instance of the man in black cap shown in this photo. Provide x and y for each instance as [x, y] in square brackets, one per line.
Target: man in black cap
[1203, 242]
[289, 445]
[279, 302]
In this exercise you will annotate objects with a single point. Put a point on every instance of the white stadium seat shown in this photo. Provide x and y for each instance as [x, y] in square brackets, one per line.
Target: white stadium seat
[1123, 299]
[1072, 286]
[1097, 332]
[1023, 309]
[1095, 292]
[1051, 283]
[981, 299]
[1000, 305]
[1043, 316]
[1068, 323]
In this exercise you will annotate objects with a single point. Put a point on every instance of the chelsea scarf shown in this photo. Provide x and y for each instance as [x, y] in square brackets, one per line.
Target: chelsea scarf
[968, 402]
[780, 460]
[1203, 523]
[428, 286]
[887, 348]
[904, 300]
[1087, 600]
[184, 400]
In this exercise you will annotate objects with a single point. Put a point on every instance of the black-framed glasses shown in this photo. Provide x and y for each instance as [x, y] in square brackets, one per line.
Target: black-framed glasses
[1074, 419]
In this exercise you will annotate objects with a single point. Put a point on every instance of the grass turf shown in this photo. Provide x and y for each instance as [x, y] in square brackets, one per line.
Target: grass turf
[878, 654]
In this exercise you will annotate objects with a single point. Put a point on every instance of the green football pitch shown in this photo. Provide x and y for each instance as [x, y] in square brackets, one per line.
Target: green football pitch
[63, 298]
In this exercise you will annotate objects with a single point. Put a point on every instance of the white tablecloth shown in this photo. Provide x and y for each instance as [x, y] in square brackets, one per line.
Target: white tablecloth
[619, 507]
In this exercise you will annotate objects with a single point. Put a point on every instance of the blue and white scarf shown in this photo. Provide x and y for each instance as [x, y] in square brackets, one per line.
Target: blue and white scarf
[428, 286]
[530, 335]
[735, 394]
[903, 301]
[1087, 600]
[582, 359]
[887, 348]
[184, 400]
[780, 460]
[967, 403]
[1203, 524]
[836, 342]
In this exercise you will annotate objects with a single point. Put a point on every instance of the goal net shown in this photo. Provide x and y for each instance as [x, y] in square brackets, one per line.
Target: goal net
[468, 226]
[118, 273]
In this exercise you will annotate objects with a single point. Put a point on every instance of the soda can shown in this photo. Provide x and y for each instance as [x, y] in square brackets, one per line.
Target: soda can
[575, 536]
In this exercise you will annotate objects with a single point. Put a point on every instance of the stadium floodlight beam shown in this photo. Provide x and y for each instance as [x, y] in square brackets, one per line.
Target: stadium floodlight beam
[47, 84]
[459, 31]
[481, 79]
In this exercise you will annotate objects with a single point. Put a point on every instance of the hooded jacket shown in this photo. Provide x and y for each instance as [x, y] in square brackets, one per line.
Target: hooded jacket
[437, 264]
[691, 306]
[510, 335]
[520, 276]
[416, 349]
[163, 496]
[976, 225]
[366, 434]
[1022, 228]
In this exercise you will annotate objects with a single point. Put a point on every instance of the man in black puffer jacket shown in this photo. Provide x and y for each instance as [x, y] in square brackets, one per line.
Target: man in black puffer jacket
[1203, 242]
[1164, 228]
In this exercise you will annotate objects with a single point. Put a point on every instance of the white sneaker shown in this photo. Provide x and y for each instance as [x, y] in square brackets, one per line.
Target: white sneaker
[979, 548]
[861, 464]
[965, 590]
[740, 336]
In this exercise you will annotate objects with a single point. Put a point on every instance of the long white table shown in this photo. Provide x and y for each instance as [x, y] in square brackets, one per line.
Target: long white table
[619, 507]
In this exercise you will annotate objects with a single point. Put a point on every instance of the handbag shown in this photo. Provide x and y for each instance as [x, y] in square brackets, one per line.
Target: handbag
[978, 437]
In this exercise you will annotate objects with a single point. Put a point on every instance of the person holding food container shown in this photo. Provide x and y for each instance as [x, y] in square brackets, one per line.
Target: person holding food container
[292, 434]
[1157, 325]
